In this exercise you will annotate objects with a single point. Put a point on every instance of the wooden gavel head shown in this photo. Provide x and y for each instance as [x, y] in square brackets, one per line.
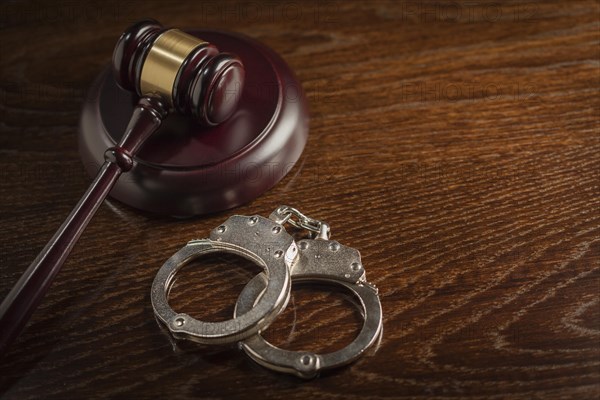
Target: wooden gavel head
[187, 73]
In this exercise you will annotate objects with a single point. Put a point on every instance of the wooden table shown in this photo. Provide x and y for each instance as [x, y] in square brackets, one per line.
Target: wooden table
[456, 145]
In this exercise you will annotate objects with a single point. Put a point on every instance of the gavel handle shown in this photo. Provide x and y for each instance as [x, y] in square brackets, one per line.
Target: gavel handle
[28, 292]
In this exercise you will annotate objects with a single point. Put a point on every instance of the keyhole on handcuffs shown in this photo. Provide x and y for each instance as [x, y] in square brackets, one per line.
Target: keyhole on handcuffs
[208, 287]
[319, 317]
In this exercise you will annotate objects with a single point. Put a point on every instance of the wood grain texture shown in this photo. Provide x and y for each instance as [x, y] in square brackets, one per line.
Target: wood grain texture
[456, 145]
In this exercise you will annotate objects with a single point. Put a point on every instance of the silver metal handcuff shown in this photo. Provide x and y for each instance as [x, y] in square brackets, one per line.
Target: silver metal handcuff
[265, 242]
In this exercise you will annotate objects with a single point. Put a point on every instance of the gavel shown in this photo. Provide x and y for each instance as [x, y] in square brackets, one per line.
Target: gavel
[171, 71]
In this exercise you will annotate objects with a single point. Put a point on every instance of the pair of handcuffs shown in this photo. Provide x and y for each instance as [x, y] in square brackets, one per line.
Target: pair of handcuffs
[265, 242]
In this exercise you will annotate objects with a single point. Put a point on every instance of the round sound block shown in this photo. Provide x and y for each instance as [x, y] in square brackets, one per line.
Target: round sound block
[185, 169]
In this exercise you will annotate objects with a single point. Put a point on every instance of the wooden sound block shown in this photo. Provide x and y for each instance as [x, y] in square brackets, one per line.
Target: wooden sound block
[186, 169]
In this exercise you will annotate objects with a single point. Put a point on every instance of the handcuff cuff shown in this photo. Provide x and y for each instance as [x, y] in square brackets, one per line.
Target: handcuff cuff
[265, 242]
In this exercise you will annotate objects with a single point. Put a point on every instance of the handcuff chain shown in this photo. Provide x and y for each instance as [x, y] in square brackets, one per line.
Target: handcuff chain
[299, 220]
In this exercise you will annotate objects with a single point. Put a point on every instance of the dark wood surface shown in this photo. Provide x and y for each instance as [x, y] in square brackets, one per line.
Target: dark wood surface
[455, 145]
